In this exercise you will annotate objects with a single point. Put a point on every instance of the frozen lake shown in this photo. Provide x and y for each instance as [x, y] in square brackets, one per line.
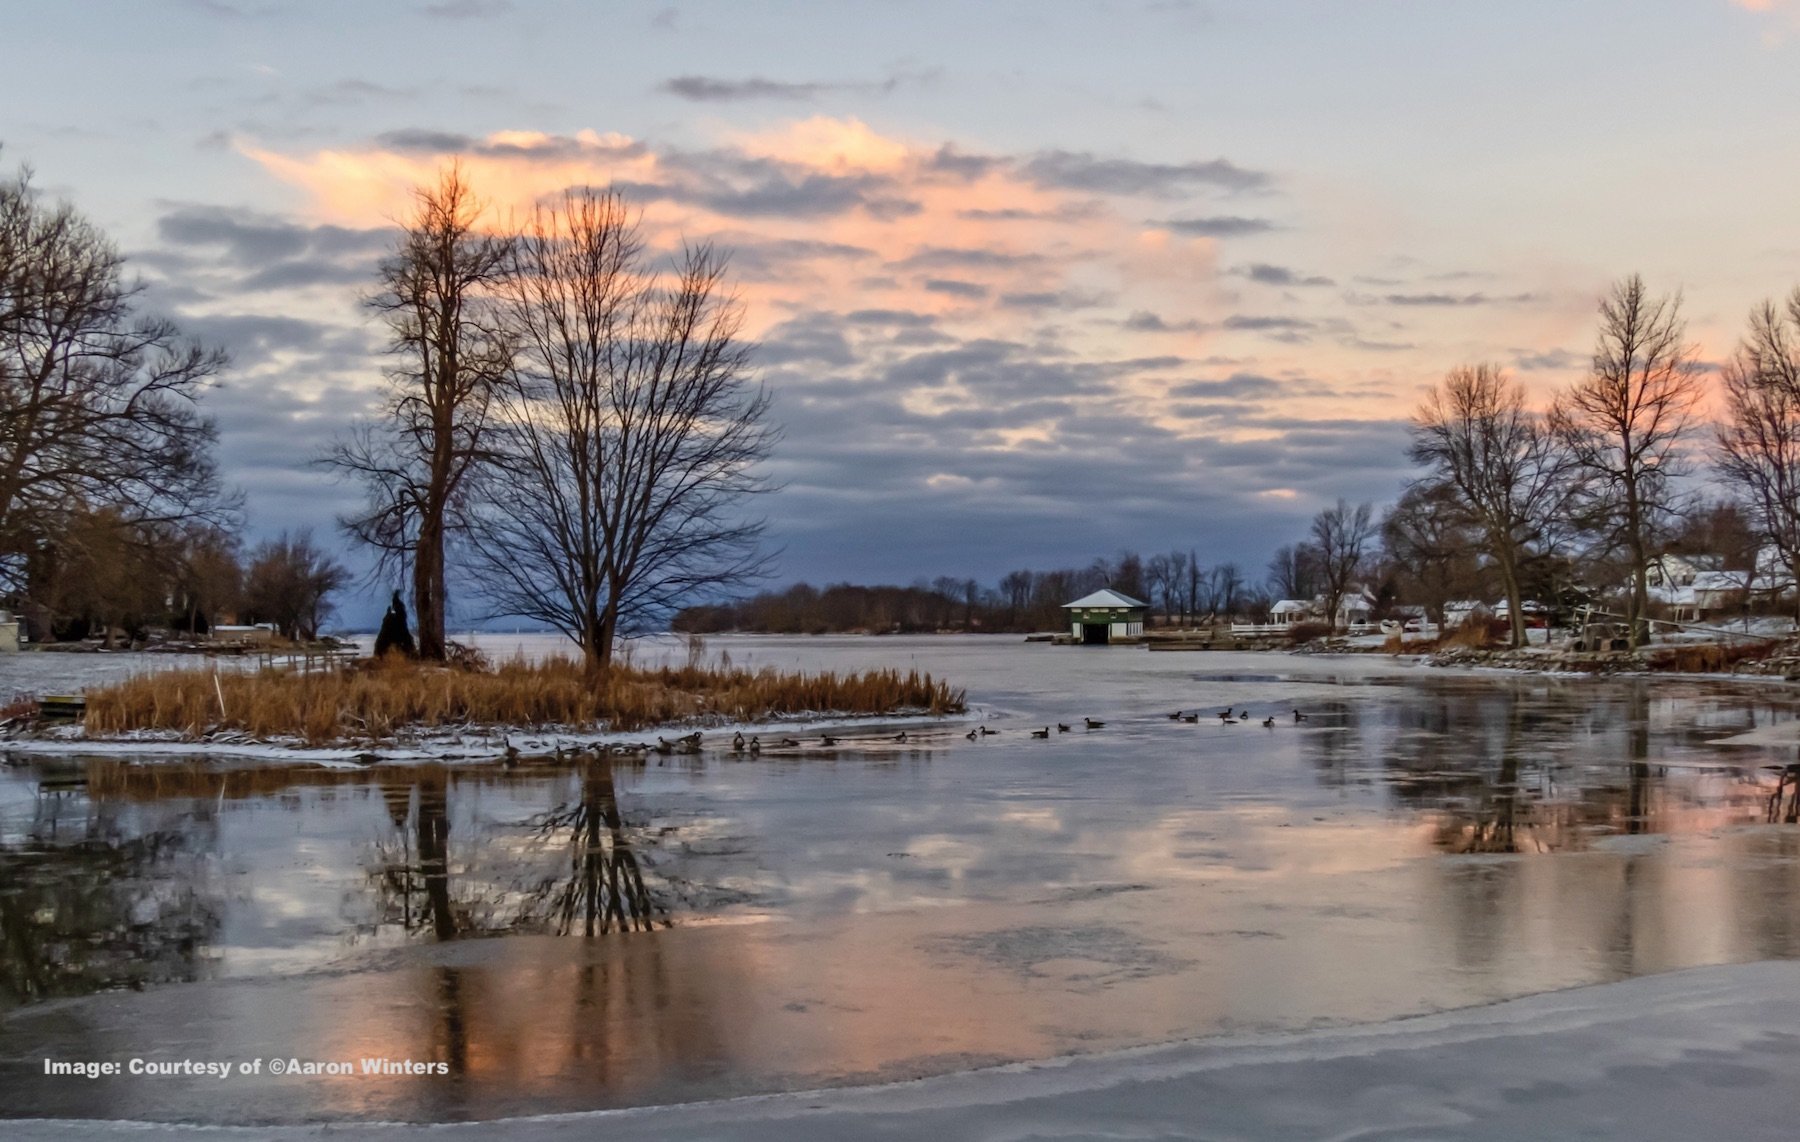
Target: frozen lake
[1422, 841]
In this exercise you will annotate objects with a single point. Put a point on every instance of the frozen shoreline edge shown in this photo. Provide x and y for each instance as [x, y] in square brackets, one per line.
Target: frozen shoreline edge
[1587, 1052]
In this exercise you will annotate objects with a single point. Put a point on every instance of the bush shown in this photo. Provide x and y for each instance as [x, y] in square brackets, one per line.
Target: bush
[1298, 633]
[382, 696]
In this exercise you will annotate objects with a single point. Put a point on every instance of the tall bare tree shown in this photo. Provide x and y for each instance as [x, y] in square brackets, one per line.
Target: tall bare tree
[450, 355]
[1340, 539]
[1430, 544]
[1294, 572]
[1507, 470]
[289, 582]
[1759, 441]
[629, 434]
[98, 402]
[1624, 426]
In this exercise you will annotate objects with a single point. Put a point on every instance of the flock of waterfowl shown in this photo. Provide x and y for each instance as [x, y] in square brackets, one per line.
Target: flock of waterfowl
[1229, 716]
[753, 746]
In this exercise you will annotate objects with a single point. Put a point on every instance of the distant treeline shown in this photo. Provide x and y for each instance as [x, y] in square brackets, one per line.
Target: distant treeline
[1023, 600]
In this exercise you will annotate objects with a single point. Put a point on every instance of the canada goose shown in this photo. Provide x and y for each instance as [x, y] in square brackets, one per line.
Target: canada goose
[737, 742]
[1176, 716]
[755, 746]
[827, 740]
[985, 731]
[1224, 715]
[901, 736]
[788, 743]
[1092, 724]
[971, 735]
[1043, 733]
[1298, 716]
[1269, 722]
[664, 746]
[1244, 717]
[511, 757]
[1062, 727]
[1190, 719]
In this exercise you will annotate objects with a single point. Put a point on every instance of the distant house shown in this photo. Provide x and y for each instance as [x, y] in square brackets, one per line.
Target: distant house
[1106, 616]
[1289, 611]
[9, 632]
[1355, 607]
[1459, 611]
[1536, 614]
[1716, 592]
[1679, 570]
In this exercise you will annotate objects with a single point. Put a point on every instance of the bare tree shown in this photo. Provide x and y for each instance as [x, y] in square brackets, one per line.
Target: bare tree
[1429, 540]
[98, 403]
[1294, 572]
[628, 435]
[1228, 589]
[1625, 423]
[1341, 536]
[1505, 467]
[415, 461]
[1759, 442]
[289, 582]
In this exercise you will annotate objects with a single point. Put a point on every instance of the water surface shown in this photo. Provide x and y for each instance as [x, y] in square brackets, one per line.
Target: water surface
[581, 934]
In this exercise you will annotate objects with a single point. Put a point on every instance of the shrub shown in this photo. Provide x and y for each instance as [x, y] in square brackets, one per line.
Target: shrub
[379, 697]
[1298, 633]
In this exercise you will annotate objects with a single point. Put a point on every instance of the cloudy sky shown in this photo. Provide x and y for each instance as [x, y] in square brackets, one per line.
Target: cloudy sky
[1032, 282]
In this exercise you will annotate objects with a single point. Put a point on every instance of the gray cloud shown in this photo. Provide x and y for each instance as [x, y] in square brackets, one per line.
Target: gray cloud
[1144, 321]
[1266, 274]
[1224, 226]
[1532, 360]
[945, 257]
[1453, 300]
[709, 89]
[956, 288]
[1073, 170]
[703, 89]
[1258, 322]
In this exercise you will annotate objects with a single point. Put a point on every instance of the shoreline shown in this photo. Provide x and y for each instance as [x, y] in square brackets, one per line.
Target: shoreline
[483, 744]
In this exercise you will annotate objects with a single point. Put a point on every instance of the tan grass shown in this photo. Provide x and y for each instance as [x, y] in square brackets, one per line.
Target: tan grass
[378, 699]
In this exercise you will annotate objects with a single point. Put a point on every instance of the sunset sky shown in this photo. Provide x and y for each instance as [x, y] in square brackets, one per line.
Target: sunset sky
[1033, 282]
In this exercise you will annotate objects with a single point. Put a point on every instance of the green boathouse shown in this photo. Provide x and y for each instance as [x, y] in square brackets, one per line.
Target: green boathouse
[1106, 616]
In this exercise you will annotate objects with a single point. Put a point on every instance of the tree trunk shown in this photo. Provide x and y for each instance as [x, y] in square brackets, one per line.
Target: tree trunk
[1515, 603]
[428, 589]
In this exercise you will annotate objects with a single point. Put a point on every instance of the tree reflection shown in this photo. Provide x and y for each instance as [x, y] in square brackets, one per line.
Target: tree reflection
[604, 889]
[1532, 766]
[92, 898]
[600, 886]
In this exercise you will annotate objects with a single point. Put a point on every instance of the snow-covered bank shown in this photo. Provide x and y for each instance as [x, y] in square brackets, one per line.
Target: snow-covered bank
[1708, 1053]
[485, 743]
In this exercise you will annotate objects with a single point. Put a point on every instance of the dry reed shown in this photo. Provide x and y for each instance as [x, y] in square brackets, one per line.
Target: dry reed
[378, 699]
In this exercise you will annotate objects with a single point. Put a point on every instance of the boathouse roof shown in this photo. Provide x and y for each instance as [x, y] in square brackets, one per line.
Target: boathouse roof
[1106, 597]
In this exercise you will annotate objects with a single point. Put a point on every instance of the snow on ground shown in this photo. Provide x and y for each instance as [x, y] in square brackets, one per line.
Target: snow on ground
[1702, 1054]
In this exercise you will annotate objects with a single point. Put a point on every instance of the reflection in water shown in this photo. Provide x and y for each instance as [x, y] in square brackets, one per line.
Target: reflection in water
[100, 895]
[118, 875]
[604, 887]
[579, 873]
[1521, 767]
[1155, 880]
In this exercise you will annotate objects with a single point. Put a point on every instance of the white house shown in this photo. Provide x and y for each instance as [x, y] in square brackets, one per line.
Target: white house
[1289, 611]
